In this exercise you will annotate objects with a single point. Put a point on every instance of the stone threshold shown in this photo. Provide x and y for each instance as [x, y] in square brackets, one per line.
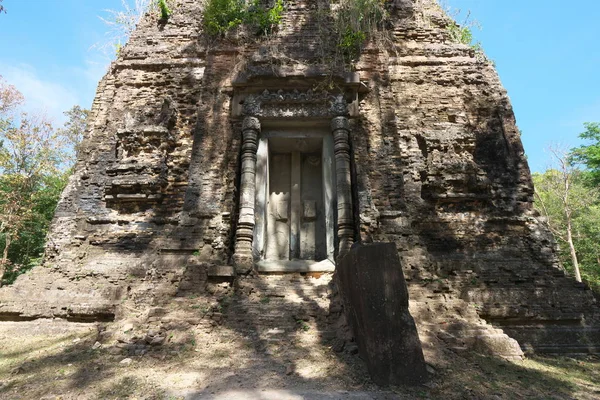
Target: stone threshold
[295, 266]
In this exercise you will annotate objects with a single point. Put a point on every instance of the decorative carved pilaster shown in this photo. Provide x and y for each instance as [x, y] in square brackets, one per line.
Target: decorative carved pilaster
[340, 128]
[242, 258]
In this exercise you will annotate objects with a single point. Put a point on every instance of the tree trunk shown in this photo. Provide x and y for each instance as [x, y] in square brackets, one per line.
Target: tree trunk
[572, 250]
[4, 261]
[567, 175]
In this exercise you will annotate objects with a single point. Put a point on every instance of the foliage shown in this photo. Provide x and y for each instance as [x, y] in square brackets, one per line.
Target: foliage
[589, 155]
[265, 19]
[26, 249]
[74, 128]
[587, 242]
[34, 163]
[2, 8]
[355, 22]
[460, 34]
[10, 100]
[566, 202]
[30, 154]
[463, 32]
[220, 16]
[165, 11]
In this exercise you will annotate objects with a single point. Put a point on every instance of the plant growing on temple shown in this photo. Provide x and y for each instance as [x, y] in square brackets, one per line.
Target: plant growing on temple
[265, 19]
[355, 22]
[165, 11]
[460, 34]
[121, 23]
[463, 32]
[220, 16]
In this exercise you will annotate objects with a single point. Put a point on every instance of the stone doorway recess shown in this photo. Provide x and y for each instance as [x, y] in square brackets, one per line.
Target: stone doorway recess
[295, 201]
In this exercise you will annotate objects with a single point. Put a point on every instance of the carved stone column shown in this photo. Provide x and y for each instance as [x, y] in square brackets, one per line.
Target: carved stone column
[345, 219]
[242, 258]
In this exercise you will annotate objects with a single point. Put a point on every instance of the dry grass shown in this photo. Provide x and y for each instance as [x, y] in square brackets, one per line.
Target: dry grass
[55, 359]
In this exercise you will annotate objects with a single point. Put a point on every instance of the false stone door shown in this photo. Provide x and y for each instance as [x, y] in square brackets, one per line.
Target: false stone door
[295, 207]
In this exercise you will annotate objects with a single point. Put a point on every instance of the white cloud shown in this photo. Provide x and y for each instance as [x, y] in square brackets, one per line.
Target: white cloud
[41, 93]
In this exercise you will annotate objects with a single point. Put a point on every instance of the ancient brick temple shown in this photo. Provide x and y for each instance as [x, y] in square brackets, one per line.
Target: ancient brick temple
[242, 156]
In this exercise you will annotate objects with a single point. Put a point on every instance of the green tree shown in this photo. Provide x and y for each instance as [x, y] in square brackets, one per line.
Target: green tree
[589, 155]
[31, 153]
[75, 127]
[35, 161]
[587, 242]
[571, 210]
[26, 246]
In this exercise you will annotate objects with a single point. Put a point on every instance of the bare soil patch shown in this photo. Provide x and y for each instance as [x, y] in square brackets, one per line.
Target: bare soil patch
[55, 359]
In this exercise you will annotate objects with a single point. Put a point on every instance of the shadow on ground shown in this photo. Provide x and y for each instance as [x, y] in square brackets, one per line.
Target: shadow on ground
[241, 358]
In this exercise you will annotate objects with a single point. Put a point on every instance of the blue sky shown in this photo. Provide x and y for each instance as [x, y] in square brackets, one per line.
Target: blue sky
[547, 53]
[46, 51]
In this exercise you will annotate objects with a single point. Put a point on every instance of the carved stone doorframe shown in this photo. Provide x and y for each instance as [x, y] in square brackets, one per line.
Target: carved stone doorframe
[242, 258]
[291, 106]
[340, 128]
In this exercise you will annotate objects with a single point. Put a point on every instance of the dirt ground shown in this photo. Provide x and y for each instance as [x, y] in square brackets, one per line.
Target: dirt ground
[55, 359]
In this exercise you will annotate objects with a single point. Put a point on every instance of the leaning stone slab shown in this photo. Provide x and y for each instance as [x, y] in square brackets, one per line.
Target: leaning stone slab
[375, 298]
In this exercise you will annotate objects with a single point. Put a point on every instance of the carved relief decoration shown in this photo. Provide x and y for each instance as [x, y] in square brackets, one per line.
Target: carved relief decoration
[138, 177]
[294, 104]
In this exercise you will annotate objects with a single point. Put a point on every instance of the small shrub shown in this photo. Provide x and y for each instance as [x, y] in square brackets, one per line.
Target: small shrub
[266, 20]
[463, 33]
[356, 21]
[165, 11]
[351, 41]
[220, 16]
[460, 34]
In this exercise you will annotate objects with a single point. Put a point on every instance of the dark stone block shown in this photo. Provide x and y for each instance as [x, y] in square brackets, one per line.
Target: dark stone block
[376, 304]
